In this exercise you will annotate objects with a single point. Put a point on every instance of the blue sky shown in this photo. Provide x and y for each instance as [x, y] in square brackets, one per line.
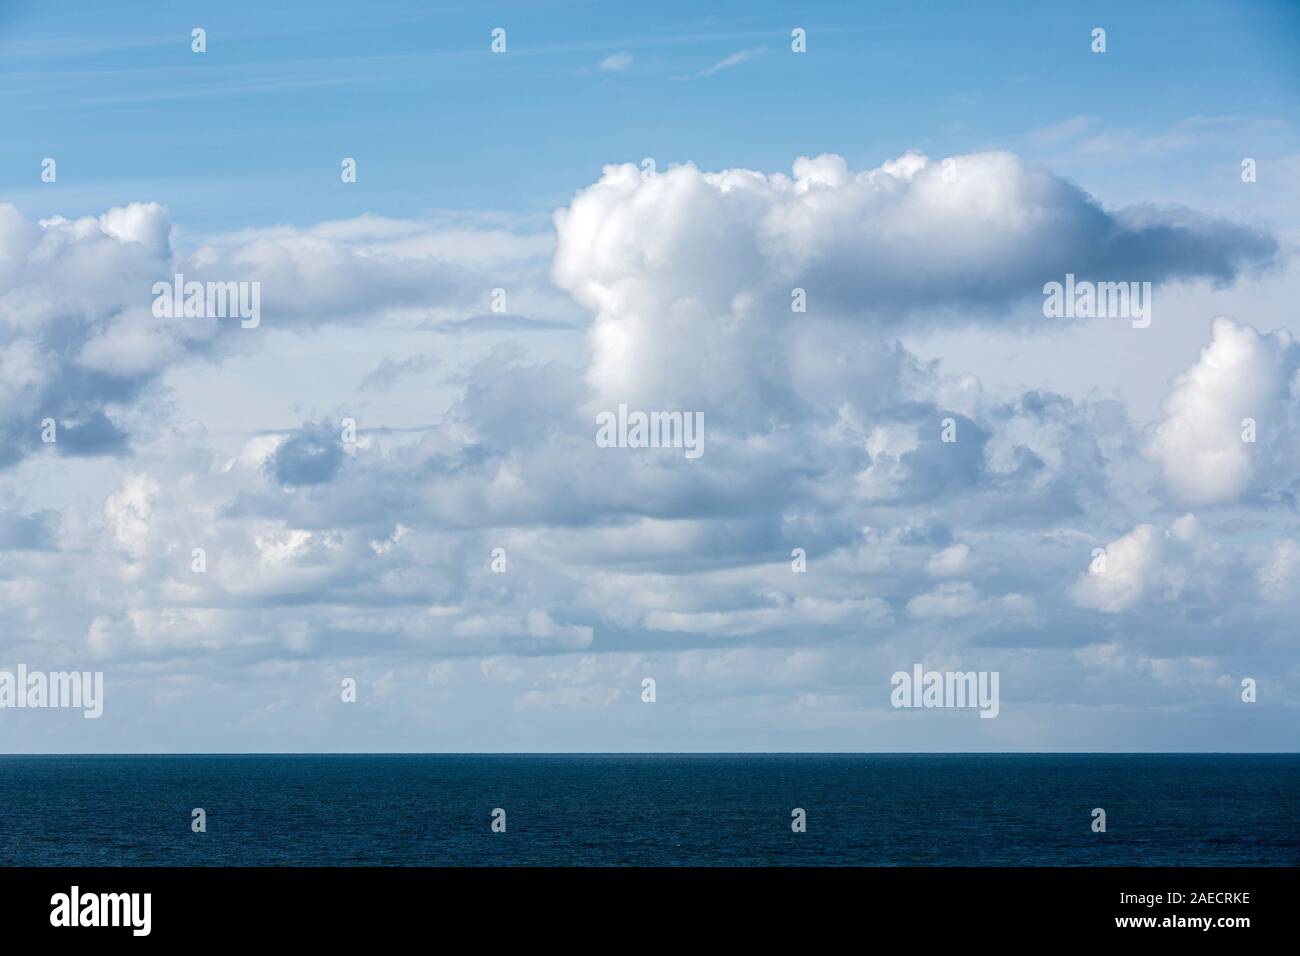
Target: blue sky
[250, 133]
[920, 173]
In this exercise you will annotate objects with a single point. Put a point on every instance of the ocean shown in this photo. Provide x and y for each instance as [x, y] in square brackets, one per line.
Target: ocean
[651, 810]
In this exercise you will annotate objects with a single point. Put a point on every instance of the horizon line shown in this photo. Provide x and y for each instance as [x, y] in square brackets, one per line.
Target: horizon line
[678, 753]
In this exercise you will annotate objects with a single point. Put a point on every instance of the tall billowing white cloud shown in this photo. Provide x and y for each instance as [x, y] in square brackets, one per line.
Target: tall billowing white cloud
[1232, 420]
[691, 274]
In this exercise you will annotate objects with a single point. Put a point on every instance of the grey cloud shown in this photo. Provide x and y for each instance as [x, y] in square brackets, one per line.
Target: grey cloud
[496, 322]
[388, 371]
[96, 434]
[311, 456]
[38, 531]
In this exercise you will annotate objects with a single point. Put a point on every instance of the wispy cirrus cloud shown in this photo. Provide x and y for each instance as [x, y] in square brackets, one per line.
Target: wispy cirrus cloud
[727, 62]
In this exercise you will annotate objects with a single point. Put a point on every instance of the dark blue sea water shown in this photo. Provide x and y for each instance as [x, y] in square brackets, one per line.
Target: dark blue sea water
[873, 810]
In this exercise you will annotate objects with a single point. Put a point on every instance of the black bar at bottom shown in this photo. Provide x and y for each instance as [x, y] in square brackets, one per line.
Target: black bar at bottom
[333, 905]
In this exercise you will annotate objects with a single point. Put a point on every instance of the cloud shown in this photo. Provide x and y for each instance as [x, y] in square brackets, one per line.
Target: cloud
[1064, 130]
[950, 562]
[79, 342]
[1145, 563]
[38, 531]
[730, 60]
[863, 614]
[956, 600]
[73, 297]
[535, 630]
[128, 513]
[389, 370]
[823, 433]
[616, 63]
[690, 274]
[1185, 132]
[1203, 444]
[310, 456]
[499, 322]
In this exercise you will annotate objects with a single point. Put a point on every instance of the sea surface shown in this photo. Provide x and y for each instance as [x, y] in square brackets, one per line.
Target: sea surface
[657, 810]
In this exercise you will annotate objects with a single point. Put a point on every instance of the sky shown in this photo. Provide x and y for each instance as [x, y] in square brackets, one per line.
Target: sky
[394, 476]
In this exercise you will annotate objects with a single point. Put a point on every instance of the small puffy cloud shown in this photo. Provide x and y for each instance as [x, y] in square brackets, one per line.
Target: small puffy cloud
[1132, 567]
[950, 562]
[1146, 563]
[144, 223]
[616, 63]
[954, 600]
